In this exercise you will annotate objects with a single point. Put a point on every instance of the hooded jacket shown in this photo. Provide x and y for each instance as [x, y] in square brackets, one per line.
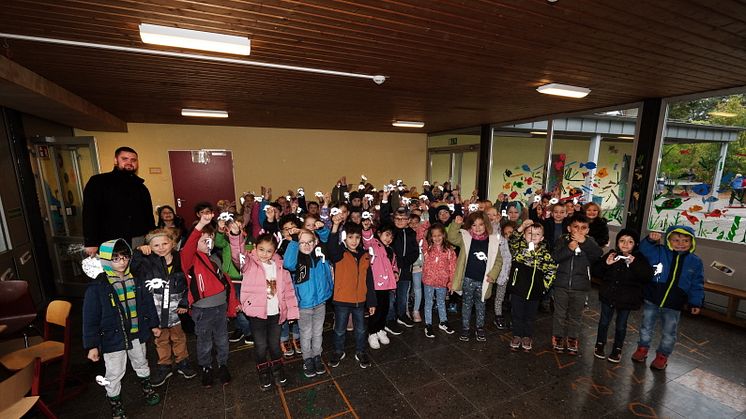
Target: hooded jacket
[621, 283]
[153, 271]
[680, 280]
[462, 239]
[385, 268]
[574, 269]
[106, 215]
[204, 278]
[353, 275]
[532, 271]
[254, 289]
[104, 319]
[312, 275]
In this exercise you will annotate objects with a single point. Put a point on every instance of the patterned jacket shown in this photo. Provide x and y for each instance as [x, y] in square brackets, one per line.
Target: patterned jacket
[528, 266]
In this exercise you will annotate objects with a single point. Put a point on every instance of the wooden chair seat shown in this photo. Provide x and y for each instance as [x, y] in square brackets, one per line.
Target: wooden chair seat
[19, 408]
[47, 351]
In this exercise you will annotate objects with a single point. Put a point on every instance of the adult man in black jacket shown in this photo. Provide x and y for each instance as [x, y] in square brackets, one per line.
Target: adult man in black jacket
[117, 204]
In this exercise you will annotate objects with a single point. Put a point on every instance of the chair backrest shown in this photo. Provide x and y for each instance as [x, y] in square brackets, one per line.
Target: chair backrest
[17, 386]
[58, 311]
[15, 298]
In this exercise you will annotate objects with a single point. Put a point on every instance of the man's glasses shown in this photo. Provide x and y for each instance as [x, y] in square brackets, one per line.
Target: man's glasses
[117, 259]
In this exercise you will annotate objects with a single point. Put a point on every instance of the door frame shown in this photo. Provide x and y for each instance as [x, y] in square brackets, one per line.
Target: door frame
[452, 151]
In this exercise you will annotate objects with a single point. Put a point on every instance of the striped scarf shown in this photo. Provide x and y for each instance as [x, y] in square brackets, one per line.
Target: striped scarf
[126, 294]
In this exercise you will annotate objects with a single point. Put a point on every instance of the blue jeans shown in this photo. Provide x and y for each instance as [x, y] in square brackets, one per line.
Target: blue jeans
[620, 331]
[341, 314]
[398, 302]
[417, 286]
[286, 329]
[211, 328]
[242, 322]
[669, 323]
[440, 300]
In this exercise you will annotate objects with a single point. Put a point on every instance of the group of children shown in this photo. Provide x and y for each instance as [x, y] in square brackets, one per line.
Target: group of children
[274, 265]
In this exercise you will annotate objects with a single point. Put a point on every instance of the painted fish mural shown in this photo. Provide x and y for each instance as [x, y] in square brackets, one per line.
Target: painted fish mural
[590, 165]
[701, 189]
[692, 219]
[669, 204]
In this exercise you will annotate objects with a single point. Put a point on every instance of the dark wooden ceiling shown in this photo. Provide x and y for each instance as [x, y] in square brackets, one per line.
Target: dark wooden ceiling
[450, 63]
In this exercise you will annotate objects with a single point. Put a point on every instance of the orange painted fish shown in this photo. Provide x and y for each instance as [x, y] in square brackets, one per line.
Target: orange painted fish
[602, 173]
[695, 208]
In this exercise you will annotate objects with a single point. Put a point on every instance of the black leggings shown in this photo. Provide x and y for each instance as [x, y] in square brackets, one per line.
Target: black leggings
[266, 333]
[377, 321]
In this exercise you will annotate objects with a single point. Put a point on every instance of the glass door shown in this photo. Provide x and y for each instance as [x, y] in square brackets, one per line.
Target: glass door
[459, 166]
[63, 166]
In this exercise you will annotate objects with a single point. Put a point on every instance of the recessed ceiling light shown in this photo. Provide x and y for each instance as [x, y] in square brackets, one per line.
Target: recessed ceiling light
[538, 133]
[626, 138]
[408, 124]
[723, 114]
[565, 90]
[206, 113]
[186, 38]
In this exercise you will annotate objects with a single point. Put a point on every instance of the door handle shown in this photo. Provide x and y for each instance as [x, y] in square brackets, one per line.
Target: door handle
[8, 274]
[179, 201]
[25, 257]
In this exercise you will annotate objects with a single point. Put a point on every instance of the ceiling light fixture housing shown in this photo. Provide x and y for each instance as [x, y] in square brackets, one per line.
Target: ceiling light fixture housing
[204, 113]
[723, 114]
[190, 39]
[564, 90]
[408, 124]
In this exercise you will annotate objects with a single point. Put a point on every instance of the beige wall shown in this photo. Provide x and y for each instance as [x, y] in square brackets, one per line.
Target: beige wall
[281, 158]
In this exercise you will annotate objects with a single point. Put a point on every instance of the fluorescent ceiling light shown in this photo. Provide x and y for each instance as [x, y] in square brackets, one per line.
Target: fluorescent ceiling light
[538, 133]
[563, 90]
[207, 113]
[723, 114]
[186, 38]
[408, 124]
[626, 138]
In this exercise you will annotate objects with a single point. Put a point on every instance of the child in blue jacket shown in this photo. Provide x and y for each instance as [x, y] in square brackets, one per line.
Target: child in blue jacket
[118, 317]
[312, 279]
[678, 284]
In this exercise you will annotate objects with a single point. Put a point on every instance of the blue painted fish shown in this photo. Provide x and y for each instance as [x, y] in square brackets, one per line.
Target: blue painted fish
[526, 168]
[590, 165]
[701, 189]
[709, 199]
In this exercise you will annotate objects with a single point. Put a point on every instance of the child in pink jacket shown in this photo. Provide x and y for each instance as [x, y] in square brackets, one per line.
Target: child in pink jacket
[385, 276]
[438, 266]
[268, 299]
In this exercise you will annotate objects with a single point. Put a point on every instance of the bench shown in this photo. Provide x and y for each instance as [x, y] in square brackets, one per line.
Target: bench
[734, 295]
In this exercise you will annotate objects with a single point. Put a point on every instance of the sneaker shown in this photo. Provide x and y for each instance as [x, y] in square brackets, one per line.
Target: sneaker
[117, 409]
[660, 362]
[444, 327]
[278, 373]
[335, 358]
[236, 336]
[296, 346]
[223, 375]
[464, 335]
[393, 328]
[641, 354]
[318, 365]
[527, 343]
[572, 346]
[481, 336]
[249, 340]
[265, 377]
[151, 397]
[558, 344]
[373, 341]
[185, 369]
[287, 349]
[500, 323]
[615, 356]
[404, 321]
[383, 338]
[160, 375]
[515, 343]
[309, 370]
[599, 352]
[429, 331]
[416, 317]
[207, 377]
[362, 359]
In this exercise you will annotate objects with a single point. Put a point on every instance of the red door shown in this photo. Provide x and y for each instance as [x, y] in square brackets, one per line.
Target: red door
[200, 175]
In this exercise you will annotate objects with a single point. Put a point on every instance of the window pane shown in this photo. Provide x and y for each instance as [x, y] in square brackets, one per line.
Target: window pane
[518, 160]
[702, 162]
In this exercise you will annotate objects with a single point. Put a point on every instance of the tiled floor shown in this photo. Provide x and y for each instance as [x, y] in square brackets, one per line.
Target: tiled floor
[443, 377]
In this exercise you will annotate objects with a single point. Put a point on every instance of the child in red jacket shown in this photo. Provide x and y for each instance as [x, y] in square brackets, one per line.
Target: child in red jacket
[211, 299]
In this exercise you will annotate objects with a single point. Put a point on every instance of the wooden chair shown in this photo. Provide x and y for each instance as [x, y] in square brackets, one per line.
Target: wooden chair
[58, 313]
[13, 400]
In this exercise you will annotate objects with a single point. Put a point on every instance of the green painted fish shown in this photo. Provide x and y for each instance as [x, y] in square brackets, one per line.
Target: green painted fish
[669, 204]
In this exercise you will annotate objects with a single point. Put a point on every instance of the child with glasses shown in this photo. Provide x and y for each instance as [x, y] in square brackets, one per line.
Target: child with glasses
[312, 279]
[118, 318]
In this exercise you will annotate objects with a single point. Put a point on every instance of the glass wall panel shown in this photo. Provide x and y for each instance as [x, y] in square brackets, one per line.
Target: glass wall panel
[699, 181]
[518, 161]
